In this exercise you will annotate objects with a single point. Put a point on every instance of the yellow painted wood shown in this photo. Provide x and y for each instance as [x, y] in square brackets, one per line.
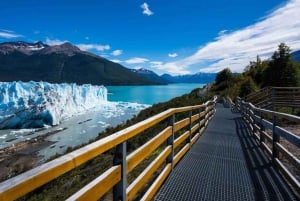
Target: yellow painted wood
[195, 117]
[195, 138]
[157, 183]
[143, 178]
[28, 181]
[180, 124]
[141, 153]
[181, 153]
[180, 139]
[98, 187]
[195, 127]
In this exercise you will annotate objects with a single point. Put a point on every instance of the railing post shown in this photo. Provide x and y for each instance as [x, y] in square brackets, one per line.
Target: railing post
[276, 138]
[189, 139]
[170, 140]
[119, 190]
[273, 98]
[200, 118]
[261, 137]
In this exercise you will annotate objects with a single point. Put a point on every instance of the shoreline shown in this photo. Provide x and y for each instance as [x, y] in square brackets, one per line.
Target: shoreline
[23, 155]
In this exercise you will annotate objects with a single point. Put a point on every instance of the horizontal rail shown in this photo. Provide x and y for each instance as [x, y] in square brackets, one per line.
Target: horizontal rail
[99, 186]
[259, 123]
[24, 183]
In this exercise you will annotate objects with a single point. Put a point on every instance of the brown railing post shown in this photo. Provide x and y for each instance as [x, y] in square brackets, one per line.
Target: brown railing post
[119, 190]
[170, 140]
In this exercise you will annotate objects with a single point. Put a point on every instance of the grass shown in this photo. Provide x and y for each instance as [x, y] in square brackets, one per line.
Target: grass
[69, 183]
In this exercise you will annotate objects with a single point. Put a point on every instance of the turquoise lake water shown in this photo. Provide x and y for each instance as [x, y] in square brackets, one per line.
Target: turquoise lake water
[149, 94]
[125, 102]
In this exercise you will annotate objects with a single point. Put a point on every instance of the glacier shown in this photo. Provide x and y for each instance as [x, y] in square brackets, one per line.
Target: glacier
[39, 104]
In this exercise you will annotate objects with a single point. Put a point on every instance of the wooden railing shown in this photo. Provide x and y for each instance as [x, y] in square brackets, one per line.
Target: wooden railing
[270, 97]
[264, 125]
[116, 177]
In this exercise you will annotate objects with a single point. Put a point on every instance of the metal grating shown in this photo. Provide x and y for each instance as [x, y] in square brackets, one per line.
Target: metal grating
[224, 164]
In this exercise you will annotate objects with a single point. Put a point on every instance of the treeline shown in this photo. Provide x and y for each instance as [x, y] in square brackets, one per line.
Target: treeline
[280, 71]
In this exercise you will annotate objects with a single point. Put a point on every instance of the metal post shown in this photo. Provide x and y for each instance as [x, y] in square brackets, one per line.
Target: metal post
[261, 137]
[189, 139]
[273, 99]
[276, 139]
[170, 140]
[119, 190]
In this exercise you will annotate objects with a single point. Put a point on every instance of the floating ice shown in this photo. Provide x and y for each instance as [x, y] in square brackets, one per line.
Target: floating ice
[36, 104]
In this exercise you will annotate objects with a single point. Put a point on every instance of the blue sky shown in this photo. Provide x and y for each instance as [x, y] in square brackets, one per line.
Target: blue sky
[176, 37]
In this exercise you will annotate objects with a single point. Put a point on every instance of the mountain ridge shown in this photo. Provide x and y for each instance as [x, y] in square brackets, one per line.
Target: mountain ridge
[62, 63]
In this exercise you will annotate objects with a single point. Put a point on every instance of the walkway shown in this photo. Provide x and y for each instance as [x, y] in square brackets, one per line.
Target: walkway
[226, 163]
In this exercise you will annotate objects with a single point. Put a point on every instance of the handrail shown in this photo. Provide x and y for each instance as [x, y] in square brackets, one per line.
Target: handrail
[115, 177]
[275, 96]
[255, 119]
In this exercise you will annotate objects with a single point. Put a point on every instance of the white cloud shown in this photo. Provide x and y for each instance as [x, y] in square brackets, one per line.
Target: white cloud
[136, 60]
[236, 49]
[84, 47]
[116, 60]
[9, 34]
[146, 10]
[55, 41]
[87, 47]
[173, 55]
[117, 52]
[168, 67]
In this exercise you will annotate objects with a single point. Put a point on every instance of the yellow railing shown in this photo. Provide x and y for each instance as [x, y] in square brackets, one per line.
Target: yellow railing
[116, 177]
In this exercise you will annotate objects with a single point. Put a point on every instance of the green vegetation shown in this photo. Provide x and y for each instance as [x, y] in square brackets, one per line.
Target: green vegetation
[279, 71]
[69, 183]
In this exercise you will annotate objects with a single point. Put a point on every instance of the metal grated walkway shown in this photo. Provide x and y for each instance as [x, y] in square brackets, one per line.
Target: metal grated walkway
[226, 163]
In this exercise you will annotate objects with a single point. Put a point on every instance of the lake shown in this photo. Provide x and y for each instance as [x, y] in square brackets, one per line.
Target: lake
[149, 94]
[124, 103]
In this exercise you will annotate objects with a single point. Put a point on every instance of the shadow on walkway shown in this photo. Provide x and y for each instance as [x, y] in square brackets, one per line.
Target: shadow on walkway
[268, 184]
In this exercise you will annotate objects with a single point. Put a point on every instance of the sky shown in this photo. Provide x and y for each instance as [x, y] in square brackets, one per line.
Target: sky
[175, 37]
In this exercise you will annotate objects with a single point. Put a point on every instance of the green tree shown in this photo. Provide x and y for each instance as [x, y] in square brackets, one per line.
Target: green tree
[224, 76]
[281, 71]
[223, 79]
[247, 87]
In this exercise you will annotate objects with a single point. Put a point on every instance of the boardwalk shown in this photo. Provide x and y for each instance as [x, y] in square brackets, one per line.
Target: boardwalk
[225, 164]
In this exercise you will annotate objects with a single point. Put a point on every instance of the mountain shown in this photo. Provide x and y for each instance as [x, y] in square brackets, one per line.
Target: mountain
[190, 78]
[296, 56]
[150, 75]
[62, 63]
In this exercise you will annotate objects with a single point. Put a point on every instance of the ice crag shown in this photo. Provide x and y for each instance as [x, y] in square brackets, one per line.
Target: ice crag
[37, 104]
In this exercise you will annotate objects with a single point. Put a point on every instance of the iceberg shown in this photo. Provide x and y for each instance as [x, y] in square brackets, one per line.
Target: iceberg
[39, 104]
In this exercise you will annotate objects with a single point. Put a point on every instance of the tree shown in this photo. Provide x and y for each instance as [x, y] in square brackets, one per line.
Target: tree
[247, 87]
[224, 76]
[281, 71]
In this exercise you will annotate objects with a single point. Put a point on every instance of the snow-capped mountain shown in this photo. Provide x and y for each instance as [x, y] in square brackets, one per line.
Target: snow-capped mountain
[61, 63]
[36, 104]
[23, 47]
[150, 75]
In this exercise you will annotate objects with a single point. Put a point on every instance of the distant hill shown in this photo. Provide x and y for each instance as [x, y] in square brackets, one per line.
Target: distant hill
[150, 75]
[296, 56]
[168, 79]
[62, 63]
[191, 78]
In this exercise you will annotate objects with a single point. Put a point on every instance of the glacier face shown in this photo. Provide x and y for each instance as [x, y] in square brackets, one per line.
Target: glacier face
[37, 104]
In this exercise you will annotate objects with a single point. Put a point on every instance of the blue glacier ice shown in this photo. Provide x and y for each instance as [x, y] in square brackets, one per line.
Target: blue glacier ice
[38, 104]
